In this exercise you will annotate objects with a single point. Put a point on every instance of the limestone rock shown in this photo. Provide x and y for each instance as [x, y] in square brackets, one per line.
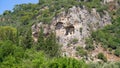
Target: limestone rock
[77, 23]
[73, 27]
[36, 28]
[108, 1]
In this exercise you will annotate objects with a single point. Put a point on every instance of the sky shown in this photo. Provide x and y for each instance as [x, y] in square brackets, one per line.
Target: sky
[9, 4]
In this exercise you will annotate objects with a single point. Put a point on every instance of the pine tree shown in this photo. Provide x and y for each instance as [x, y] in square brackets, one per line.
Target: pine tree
[28, 41]
[41, 41]
[52, 46]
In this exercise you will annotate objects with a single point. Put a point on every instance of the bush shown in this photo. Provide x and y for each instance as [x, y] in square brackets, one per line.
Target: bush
[117, 52]
[81, 51]
[89, 47]
[102, 57]
[104, 65]
[89, 41]
[67, 63]
[81, 30]
[95, 65]
[74, 41]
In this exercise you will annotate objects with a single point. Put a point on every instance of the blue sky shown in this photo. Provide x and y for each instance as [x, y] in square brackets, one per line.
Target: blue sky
[9, 4]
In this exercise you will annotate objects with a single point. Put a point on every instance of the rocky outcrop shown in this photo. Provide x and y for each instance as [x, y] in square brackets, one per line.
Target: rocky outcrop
[77, 23]
[73, 27]
[36, 28]
[108, 1]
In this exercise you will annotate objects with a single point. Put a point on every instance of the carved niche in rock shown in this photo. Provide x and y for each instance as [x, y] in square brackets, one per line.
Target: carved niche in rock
[59, 25]
[69, 29]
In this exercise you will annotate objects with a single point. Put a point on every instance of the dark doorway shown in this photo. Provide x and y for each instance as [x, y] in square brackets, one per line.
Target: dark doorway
[59, 25]
[69, 29]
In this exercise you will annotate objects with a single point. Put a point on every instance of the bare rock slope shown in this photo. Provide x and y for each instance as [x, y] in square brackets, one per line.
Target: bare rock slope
[74, 26]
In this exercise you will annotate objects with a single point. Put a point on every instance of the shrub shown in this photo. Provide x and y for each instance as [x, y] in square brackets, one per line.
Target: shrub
[104, 65]
[117, 52]
[74, 41]
[81, 51]
[89, 47]
[81, 29]
[89, 41]
[102, 57]
[67, 63]
[94, 65]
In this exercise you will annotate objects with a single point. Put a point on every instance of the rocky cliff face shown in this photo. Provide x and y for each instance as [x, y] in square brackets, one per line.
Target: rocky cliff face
[73, 27]
[107, 1]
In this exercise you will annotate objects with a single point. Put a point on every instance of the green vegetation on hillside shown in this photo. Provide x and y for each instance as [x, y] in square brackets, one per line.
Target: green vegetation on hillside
[109, 37]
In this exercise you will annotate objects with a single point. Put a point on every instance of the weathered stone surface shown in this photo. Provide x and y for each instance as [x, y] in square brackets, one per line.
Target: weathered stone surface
[73, 27]
[108, 1]
[77, 23]
[36, 28]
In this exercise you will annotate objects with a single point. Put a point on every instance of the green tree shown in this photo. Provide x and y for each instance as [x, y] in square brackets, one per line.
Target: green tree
[48, 44]
[28, 40]
[41, 41]
[52, 46]
[6, 48]
[7, 33]
[6, 12]
[42, 1]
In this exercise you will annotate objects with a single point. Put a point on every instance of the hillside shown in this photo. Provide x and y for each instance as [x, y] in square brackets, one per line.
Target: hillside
[61, 34]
